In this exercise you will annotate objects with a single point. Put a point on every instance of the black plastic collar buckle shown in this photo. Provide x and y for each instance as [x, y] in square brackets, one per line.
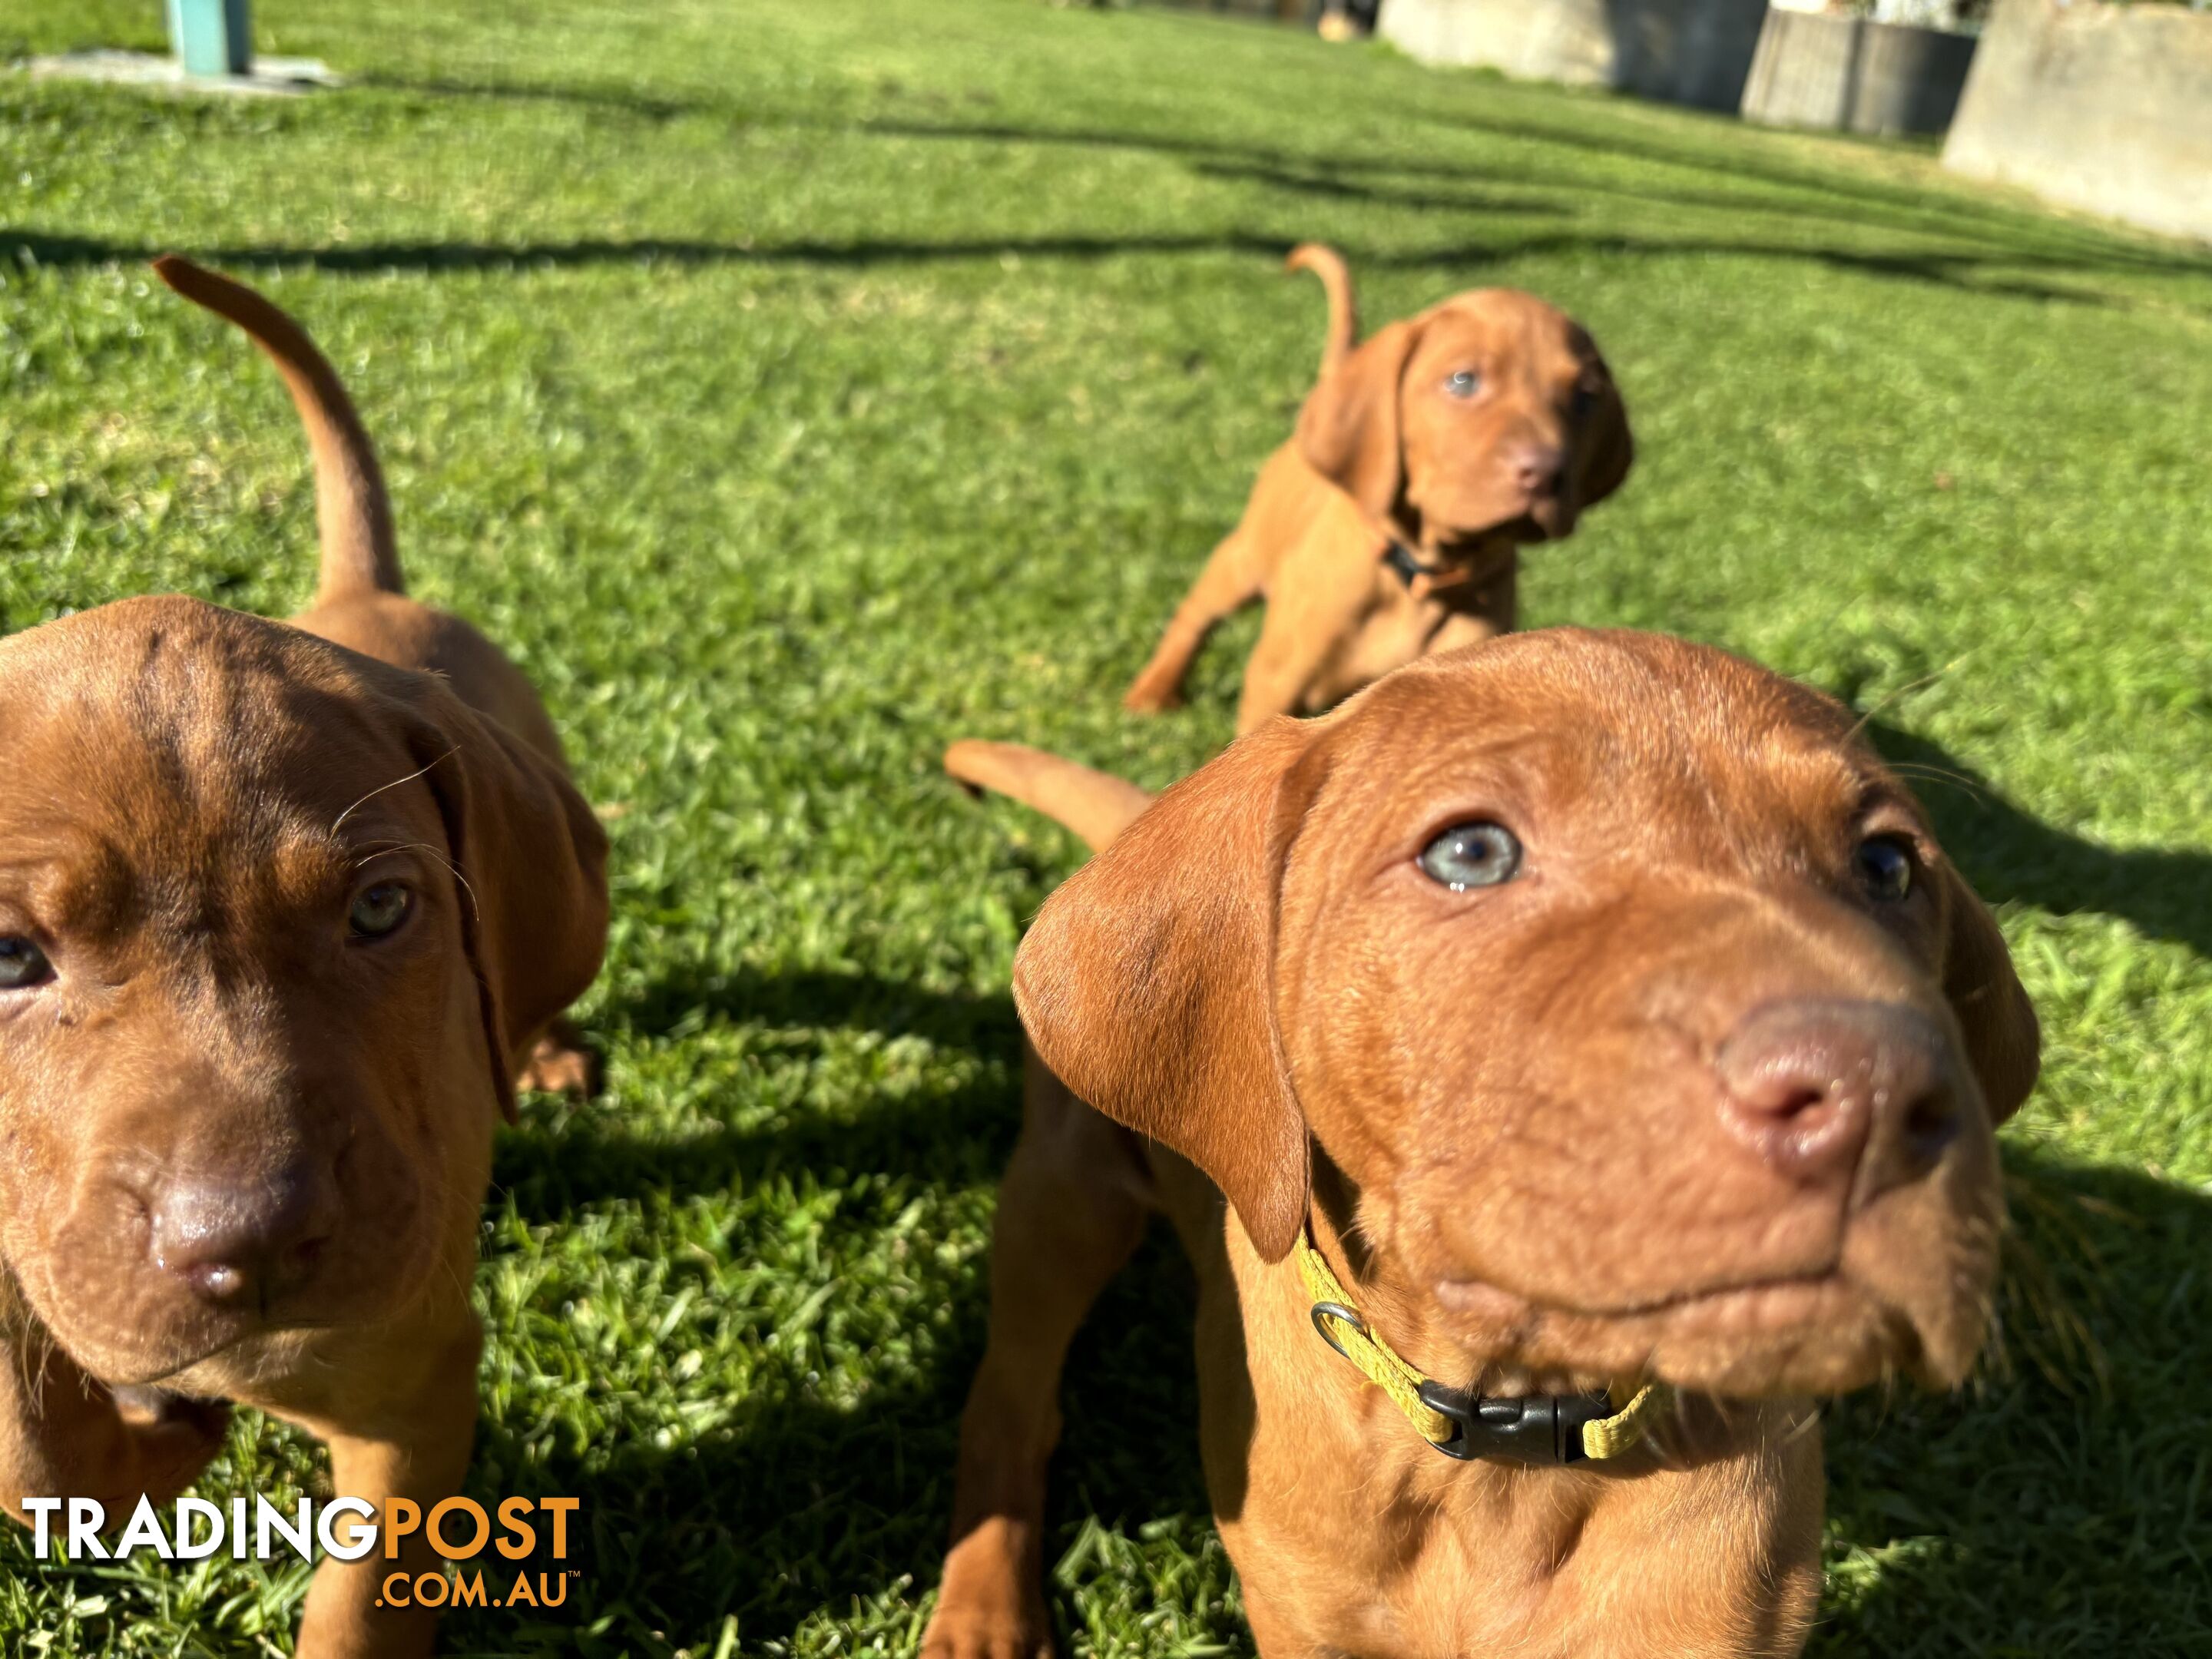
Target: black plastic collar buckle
[1543, 1428]
[1400, 559]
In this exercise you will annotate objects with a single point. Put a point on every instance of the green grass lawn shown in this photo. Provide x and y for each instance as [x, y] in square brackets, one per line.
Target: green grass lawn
[795, 385]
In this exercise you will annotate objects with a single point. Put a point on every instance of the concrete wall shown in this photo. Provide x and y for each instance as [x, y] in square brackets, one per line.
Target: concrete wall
[1685, 51]
[1280, 11]
[2103, 107]
[1847, 74]
[1547, 40]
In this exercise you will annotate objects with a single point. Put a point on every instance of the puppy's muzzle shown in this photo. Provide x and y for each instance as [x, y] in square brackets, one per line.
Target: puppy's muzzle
[1538, 470]
[243, 1246]
[1862, 1096]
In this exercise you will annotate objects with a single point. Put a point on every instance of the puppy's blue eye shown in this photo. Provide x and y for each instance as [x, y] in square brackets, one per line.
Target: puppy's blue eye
[379, 911]
[1884, 864]
[22, 965]
[1463, 383]
[1478, 854]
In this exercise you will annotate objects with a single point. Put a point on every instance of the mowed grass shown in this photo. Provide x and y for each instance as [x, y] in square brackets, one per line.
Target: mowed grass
[794, 386]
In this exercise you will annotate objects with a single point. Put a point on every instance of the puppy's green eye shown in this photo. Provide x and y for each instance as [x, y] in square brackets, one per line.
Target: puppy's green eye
[1463, 383]
[22, 965]
[1884, 864]
[1477, 854]
[379, 911]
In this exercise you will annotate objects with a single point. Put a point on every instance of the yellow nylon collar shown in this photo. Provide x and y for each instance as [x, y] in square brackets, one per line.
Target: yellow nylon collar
[1468, 1432]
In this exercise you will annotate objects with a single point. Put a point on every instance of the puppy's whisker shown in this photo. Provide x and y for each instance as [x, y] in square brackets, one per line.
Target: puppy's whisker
[396, 782]
[379, 849]
[43, 1361]
[370, 851]
[1941, 774]
[1906, 691]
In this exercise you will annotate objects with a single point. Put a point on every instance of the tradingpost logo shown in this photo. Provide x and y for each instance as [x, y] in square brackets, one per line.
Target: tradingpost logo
[482, 1544]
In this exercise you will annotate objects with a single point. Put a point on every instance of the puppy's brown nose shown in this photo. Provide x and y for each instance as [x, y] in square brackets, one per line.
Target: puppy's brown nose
[241, 1245]
[1819, 1088]
[1537, 469]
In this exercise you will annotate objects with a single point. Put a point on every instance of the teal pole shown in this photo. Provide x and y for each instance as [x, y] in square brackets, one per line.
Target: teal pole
[212, 37]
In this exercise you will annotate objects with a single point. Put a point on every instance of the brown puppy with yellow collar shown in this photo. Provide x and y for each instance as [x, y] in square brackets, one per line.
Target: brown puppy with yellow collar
[281, 918]
[1581, 1014]
[1387, 526]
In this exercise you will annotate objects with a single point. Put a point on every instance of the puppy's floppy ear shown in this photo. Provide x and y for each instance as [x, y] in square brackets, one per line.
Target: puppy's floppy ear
[1604, 451]
[531, 862]
[1348, 430]
[1147, 983]
[2003, 1040]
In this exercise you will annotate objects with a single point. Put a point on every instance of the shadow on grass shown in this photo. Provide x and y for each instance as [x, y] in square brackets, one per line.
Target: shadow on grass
[1871, 200]
[2001, 1516]
[2007, 854]
[1967, 272]
[1844, 199]
[2084, 1443]
[612, 99]
[958, 1136]
[803, 1507]
[2002, 250]
[818, 998]
[434, 256]
[801, 1504]
[955, 1138]
[1974, 267]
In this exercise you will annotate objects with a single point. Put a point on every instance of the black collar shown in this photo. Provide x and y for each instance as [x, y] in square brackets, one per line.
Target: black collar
[1545, 1428]
[1537, 1428]
[1407, 564]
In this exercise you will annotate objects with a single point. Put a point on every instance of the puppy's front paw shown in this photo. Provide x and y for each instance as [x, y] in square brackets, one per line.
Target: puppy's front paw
[559, 1064]
[1152, 694]
[961, 1633]
[172, 1436]
[992, 1604]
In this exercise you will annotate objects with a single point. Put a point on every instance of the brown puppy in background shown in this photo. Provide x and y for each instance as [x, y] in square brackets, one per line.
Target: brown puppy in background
[281, 919]
[1386, 526]
[1574, 1079]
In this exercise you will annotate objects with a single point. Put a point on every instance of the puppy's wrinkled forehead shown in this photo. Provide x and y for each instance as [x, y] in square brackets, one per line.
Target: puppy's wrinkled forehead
[162, 749]
[1635, 742]
[1503, 326]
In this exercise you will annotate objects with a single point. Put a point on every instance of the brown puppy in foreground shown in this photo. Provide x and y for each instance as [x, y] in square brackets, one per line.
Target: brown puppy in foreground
[281, 918]
[1586, 1026]
[1387, 527]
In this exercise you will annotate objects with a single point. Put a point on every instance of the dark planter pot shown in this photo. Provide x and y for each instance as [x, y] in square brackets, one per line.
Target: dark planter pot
[1848, 74]
[1682, 52]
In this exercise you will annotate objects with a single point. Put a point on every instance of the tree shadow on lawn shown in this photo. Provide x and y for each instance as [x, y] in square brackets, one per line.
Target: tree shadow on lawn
[2007, 854]
[2058, 1505]
[2053, 242]
[1961, 272]
[1849, 201]
[2000, 240]
[955, 1137]
[2083, 1443]
[1977, 268]
[435, 257]
[801, 1507]
[802, 1504]
[958, 1136]
[821, 998]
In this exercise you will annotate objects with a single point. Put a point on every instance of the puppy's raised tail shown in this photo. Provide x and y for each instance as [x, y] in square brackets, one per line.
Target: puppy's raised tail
[1326, 263]
[352, 513]
[1094, 805]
